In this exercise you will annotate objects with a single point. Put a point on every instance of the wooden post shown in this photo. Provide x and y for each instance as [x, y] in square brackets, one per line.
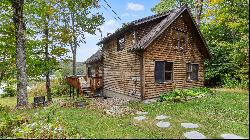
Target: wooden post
[77, 93]
[70, 91]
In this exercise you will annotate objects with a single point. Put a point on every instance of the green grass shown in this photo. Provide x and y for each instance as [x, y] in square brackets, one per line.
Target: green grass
[11, 101]
[224, 112]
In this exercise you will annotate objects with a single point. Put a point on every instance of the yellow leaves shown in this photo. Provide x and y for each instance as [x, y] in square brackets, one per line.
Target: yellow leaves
[233, 25]
[213, 2]
[50, 10]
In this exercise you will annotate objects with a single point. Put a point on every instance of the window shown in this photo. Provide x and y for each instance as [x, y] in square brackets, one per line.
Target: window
[179, 39]
[163, 71]
[120, 43]
[192, 71]
[89, 72]
[168, 71]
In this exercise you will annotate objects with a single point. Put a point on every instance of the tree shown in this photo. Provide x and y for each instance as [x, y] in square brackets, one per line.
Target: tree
[78, 20]
[18, 21]
[43, 15]
[195, 5]
[7, 42]
[226, 30]
[42, 52]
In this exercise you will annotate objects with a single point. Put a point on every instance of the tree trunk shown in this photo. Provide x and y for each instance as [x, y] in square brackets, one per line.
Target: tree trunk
[17, 6]
[198, 11]
[74, 61]
[74, 45]
[46, 32]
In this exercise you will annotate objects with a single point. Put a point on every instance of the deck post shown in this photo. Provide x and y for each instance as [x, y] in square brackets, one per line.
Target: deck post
[77, 93]
[73, 93]
[70, 91]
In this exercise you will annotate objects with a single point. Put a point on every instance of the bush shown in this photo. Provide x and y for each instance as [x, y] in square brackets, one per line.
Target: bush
[9, 91]
[181, 94]
[59, 86]
[230, 82]
[8, 123]
[40, 130]
[38, 89]
[4, 109]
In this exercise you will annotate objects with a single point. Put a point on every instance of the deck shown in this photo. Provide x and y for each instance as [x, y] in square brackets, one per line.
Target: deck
[84, 84]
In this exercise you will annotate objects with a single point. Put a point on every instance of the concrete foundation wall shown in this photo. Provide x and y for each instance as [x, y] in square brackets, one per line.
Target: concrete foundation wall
[109, 93]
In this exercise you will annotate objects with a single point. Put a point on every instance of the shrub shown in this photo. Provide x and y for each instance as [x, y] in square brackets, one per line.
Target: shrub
[9, 91]
[59, 86]
[4, 109]
[230, 82]
[9, 123]
[41, 130]
[44, 124]
[38, 89]
[181, 94]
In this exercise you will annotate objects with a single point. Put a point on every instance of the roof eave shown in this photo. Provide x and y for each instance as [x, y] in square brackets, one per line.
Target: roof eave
[123, 30]
[133, 24]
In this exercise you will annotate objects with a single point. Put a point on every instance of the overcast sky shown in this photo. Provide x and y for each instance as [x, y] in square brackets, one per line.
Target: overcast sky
[127, 10]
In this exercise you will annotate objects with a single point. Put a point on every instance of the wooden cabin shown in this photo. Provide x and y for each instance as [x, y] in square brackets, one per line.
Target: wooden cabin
[152, 55]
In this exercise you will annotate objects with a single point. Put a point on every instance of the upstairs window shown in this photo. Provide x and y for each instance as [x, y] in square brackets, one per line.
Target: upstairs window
[120, 43]
[192, 72]
[163, 71]
[179, 39]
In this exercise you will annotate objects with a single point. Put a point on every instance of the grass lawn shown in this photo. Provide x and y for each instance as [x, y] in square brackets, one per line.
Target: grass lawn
[11, 101]
[224, 112]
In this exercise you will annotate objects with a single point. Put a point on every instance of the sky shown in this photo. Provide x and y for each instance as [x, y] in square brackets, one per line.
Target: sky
[127, 10]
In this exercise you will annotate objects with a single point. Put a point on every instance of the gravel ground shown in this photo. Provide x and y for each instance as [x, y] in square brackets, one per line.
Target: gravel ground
[112, 106]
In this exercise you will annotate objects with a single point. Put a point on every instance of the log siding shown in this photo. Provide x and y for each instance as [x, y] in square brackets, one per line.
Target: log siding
[121, 67]
[162, 49]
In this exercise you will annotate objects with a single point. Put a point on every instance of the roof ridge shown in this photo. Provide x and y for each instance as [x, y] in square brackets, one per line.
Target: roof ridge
[137, 22]
[152, 16]
[153, 32]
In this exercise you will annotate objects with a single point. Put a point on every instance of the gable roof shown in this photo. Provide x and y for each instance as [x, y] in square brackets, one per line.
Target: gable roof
[95, 57]
[164, 24]
[167, 18]
[157, 30]
[133, 24]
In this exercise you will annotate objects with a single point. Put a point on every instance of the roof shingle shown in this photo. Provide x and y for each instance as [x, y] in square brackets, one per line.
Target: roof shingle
[135, 23]
[94, 58]
[142, 44]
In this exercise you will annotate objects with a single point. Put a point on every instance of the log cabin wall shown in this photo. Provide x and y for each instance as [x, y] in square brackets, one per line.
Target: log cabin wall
[162, 49]
[120, 68]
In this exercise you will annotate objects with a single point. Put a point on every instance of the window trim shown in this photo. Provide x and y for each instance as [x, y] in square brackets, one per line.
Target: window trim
[191, 80]
[165, 81]
[118, 44]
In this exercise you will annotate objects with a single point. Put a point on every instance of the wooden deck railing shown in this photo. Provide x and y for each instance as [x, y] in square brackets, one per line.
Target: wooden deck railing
[93, 83]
